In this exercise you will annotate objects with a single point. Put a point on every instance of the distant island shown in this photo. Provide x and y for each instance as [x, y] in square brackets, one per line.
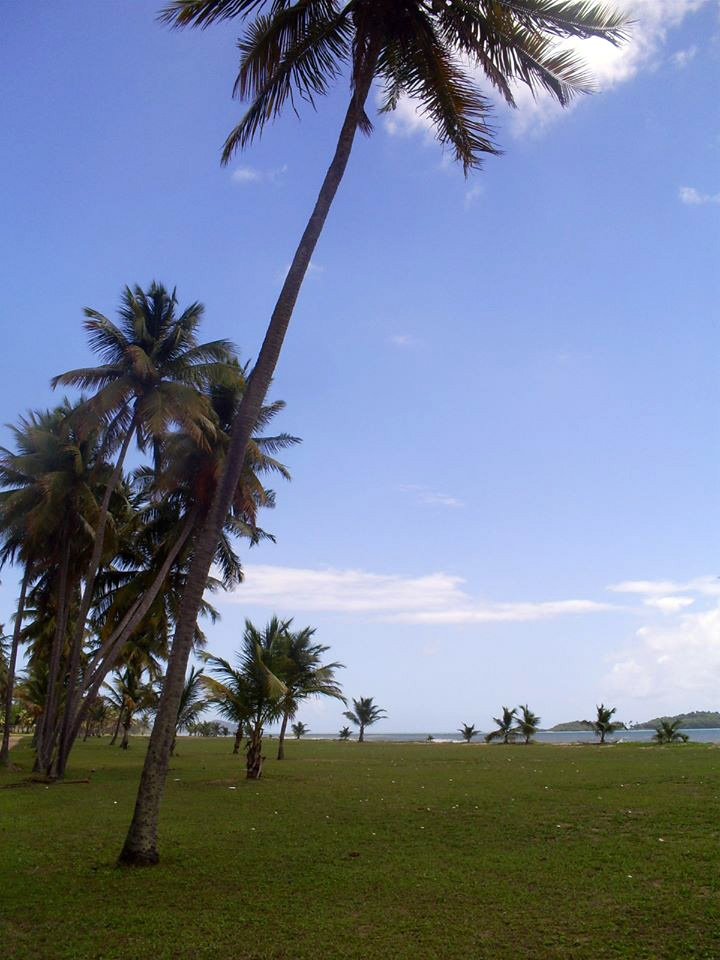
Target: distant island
[695, 720]
[573, 726]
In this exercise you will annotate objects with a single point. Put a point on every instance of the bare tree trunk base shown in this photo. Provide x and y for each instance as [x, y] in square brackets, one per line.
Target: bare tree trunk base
[138, 858]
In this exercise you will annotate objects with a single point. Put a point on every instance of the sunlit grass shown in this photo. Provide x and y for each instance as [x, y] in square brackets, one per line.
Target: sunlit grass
[371, 851]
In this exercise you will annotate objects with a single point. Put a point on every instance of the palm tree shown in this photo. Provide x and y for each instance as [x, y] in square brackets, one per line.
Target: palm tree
[344, 733]
[603, 723]
[192, 703]
[364, 714]
[251, 692]
[528, 724]
[298, 49]
[668, 731]
[152, 367]
[505, 730]
[304, 676]
[299, 730]
[468, 731]
[129, 695]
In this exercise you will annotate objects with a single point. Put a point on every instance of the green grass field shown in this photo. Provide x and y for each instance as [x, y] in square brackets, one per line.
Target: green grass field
[371, 852]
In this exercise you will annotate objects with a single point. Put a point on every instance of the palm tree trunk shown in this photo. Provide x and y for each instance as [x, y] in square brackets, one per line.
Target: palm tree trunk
[140, 846]
[361, 735]
[73, 691]
[126, 731]
[46, 729]
[238, 739]
[281, 739]
[117, 728]
[5, 749]
[254, 761]
[108, 654]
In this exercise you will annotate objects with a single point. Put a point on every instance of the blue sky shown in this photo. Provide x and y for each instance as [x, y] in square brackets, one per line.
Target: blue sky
[506, 386]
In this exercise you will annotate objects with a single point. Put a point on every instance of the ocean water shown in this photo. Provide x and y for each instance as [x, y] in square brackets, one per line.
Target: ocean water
[543, 736]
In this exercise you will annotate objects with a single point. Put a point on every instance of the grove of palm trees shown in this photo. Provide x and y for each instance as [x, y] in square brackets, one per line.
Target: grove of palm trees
[173, 781]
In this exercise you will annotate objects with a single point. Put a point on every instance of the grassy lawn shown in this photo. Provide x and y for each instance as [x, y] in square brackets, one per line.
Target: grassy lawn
[371, 852]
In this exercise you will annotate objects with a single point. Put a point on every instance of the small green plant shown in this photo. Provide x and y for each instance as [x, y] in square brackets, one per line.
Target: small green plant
[467, 731]
[299, 730]
[668, 731]
[345, 733]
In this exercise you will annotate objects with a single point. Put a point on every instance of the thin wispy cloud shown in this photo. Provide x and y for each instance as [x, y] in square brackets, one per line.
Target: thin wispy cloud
[681, 58]
[254, 175]
[431, 498]
[694, 198]
[706, 586]
[404, 340]
[473, 193]
[435, 598]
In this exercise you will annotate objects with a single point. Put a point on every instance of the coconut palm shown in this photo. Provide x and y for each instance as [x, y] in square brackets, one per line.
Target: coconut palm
[528, 723]
[364, 714]
[505, 730]
[250, 693]
[192, 703]
[129, 695]
[304, 676]
[603, 723]
[345, 733]
[299, 730]
[668, 731]
[467, 731]
[296, 50]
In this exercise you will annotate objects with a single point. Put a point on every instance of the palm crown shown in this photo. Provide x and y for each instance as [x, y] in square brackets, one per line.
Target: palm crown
[430, 50]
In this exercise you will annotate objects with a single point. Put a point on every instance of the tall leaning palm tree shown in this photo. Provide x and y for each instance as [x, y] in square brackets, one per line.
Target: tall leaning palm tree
[364, 714]
[295, 51]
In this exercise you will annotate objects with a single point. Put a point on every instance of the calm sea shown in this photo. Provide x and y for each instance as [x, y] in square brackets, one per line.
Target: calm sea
[544, 736]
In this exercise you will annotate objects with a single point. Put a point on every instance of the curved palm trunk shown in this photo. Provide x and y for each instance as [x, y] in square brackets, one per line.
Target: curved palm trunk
[361, 735]
[140, 848]
[238, 739]
[281, 738]
[5, 749]
[108, 654]
[117, 729]
[74, 688]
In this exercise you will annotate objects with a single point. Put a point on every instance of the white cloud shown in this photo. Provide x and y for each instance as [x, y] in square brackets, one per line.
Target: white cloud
[694, 198]
[681, 58]
[610, 66]
[431, 497]
[253, 175]
[473, 193]
[404, 340]
[669, 604]
[707, 586]
[672, 662]
[432, 598]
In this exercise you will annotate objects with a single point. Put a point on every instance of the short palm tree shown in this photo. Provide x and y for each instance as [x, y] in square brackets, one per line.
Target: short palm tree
[345, 733]
[603, 723]
[668, 731]
[304, 675]
[528, 723]
[467, 731]
[364, 714]
[251, 692]
[192, 703]
[299, 730]
[294, 51]
[130, 695]
[505, 727]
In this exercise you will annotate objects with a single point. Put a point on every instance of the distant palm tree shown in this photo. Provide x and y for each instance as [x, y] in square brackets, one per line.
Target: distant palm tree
[668, 731]
[527, 724]
[345, 733]
[192, 703]
[468, 731]
[364, 714]
[299, 730]
[505, 730]
[305, 675]
[603, 723]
